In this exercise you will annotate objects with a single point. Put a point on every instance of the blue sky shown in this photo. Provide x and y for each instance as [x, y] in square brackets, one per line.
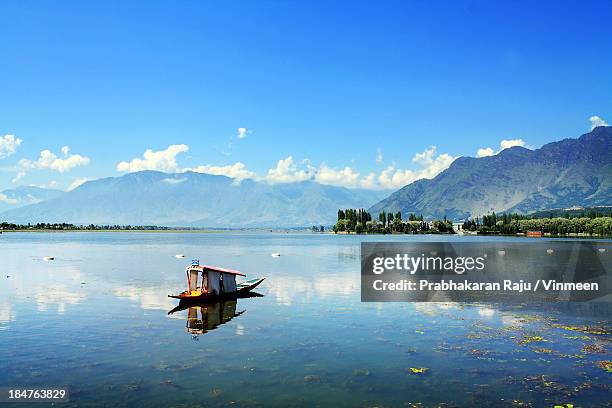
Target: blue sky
[348, 93]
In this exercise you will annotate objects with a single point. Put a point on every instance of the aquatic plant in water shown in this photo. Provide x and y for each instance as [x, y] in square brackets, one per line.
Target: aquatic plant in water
[531, 339]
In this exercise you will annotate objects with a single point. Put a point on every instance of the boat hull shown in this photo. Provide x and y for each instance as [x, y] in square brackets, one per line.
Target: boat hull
[241, 289]
[248, 286]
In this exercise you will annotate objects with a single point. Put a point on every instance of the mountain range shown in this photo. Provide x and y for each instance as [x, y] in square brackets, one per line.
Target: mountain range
[194, 199]
[561, 174]
[571, 172]
[25, 195]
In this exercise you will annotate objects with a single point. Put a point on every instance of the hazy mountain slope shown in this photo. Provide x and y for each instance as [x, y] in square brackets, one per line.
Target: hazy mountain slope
[25, 195]
[560, 174]
[194, 199]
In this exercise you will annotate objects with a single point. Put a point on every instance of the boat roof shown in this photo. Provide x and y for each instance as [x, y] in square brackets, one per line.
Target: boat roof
[205, 268]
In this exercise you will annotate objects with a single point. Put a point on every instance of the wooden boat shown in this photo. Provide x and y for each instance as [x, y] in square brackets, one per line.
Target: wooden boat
[210, 282]
[247, 286]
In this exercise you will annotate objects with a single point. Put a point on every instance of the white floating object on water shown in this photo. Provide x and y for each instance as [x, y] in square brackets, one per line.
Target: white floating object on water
[549, 251]
[275, 254]
[501, 253]
[179, 256]
[602, 250]
[48, 258]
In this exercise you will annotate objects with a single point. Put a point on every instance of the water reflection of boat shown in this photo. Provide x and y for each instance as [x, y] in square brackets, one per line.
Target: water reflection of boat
[210, 282]
[205, 316]
[201, 319]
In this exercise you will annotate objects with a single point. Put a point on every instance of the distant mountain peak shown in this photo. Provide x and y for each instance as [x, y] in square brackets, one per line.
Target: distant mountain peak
[195, 199]
[25, 195]
[559, 174]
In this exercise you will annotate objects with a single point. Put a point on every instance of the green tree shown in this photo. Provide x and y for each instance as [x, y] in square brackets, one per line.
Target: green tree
[382, 217]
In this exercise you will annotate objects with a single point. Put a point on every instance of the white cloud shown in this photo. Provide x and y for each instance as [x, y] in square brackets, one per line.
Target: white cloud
[392, 177]
[162, 160]
[49, 160]
[8, 145]
[504, 144]
[369, 182]
[236, 171]
[242, 132]
[508, 143]
[165, 160]
[286, 171]
[8, 200]
[346, 177]
[597, 121]
[379, 156]
[77, 182]
[430, 166]
[484, 152]
[20, 173]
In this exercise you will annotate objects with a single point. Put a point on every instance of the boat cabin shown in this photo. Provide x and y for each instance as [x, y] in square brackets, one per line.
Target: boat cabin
[204, 279]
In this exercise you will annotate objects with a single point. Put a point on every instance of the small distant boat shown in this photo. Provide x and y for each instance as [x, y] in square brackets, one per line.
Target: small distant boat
[210, 282]
[275, 254]
[179, 256]
[48, 258]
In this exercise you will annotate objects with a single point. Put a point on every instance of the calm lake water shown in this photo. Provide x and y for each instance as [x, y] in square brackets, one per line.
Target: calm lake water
[96, 319]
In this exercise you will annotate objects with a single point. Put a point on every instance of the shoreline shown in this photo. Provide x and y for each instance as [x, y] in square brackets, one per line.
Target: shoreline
[187, 231]
[294, 231]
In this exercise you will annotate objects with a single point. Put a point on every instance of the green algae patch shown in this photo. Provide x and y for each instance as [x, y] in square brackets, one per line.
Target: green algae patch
[584, 329]
[593, 349]
[418, 370]
[531, 339]
[361, 372]
[565, 336]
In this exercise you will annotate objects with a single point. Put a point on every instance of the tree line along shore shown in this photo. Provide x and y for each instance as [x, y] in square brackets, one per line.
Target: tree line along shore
[359, 221]
[59, 227]
[43, 226]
